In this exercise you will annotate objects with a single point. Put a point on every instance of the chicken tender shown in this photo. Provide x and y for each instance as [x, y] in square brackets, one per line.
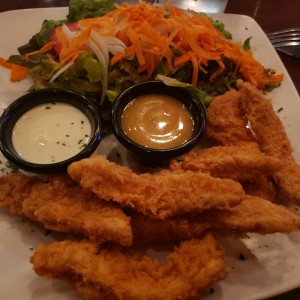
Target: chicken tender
[253, 215]
[262, 186]
[258, 215]
[265, 123]
[97, 273]
[272, 139]
[288, 180]
[147, 230]
[240, 163]
[161, 194]
[226, 122]
[61, 204]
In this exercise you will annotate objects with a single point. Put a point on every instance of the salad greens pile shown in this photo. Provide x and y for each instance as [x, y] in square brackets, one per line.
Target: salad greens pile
[86, 74]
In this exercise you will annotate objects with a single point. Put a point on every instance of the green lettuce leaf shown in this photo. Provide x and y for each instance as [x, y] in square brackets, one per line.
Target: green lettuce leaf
[41, 38]
[198, 92]
[84, 76]
[42, 73]
[80, 9]
[246, 44]
[85, 67]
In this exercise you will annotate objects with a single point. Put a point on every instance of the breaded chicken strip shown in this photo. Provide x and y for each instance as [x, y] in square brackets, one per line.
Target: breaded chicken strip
[97, 273]
[61, 204]
[262, 186]
[264, 121]
[253, 215]
[271, 136]
[160, 195]
[226, 123]
[288, 180]
[258, 215]
[240, 163]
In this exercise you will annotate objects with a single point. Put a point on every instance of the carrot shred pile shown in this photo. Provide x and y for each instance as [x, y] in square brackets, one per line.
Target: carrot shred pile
[151, 33]
[17, 72]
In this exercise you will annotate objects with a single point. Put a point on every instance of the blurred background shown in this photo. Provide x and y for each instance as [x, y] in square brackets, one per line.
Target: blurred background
[211, 6]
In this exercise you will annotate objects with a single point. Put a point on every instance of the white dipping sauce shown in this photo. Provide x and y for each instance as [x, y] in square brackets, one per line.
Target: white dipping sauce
[51, 133]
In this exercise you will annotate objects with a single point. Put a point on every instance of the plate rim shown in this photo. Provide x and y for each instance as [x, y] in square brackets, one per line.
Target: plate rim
[288, 285]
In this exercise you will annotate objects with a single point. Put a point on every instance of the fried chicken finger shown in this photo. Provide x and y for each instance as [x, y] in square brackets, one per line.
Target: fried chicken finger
[253, 215]
[272, 139]
[240, 163]
[61, 204]
[97, 273]
[161, 194]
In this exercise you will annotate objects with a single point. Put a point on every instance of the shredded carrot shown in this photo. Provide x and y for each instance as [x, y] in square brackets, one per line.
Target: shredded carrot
[44, 49]
[105, 25]
[119, 56]
[70, 47]
[150, 32]
[135, 40]
[53, 61]
[17, 72]
[195, 67]
[183, 59]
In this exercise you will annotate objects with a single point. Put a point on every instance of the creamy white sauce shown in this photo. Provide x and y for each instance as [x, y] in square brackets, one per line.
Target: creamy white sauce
[51, 133]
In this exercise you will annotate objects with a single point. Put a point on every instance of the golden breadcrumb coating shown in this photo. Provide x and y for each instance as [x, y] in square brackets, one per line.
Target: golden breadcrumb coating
[98, 273]
[161, 194]
[61, 204]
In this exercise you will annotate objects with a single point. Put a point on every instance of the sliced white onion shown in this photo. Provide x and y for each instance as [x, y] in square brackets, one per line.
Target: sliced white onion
[96, 38]
[61, 70]
[114, 45]
[67, 32]
[94, 47]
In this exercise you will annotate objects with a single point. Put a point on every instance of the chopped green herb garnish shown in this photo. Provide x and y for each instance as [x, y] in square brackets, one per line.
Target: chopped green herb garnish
[11, 166]
[280, 109]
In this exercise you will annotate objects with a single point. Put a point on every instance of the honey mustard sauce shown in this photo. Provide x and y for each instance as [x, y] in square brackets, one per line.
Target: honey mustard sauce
[157, 121]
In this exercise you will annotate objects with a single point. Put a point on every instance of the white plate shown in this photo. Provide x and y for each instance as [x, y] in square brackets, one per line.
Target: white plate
[272, 264]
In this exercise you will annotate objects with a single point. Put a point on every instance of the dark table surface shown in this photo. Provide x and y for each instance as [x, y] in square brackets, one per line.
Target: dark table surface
[271, 15]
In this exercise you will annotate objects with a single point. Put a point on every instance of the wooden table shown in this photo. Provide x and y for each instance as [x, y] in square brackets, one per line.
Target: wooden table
[271, 15]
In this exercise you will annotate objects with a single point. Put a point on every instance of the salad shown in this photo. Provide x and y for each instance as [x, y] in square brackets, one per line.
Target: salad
[101, 48]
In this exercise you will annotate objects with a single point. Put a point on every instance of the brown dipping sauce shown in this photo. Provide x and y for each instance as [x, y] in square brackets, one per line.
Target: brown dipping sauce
[157, 121]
